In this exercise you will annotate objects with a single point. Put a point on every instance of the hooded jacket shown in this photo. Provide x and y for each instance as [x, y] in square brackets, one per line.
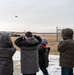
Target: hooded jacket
[43, 53]
[29, 54]
[6, 52]
[66, 49]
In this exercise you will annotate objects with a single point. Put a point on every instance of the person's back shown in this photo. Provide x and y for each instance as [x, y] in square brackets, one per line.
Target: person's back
[6, 52]
[66, 49]
[43, 56]
[29, 53]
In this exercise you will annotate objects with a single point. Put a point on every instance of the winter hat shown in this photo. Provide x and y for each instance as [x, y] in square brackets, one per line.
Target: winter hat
[44, 41]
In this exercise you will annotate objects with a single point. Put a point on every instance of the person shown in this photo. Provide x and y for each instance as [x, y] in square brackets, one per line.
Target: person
[29, 53]
[6, 53]
[66, 49]
[43, 56]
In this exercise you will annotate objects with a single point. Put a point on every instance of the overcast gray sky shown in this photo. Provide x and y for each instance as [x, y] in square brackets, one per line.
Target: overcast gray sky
[36, 15]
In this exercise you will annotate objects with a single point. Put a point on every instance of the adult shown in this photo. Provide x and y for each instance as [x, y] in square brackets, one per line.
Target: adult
[66, 49]
[7, 51]
[29, 53]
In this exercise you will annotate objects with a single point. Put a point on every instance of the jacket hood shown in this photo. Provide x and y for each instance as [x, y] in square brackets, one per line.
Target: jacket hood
[5, 40]
[31, 40]
[67, 33]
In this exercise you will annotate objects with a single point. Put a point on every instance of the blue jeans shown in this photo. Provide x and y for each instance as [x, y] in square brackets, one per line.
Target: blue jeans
[66, 71]
[43, 69]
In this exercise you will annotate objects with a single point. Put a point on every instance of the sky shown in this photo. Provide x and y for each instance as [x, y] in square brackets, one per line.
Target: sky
[36, 15]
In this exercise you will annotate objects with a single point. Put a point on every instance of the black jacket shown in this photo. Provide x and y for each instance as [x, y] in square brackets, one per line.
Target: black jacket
[43, 55]
[22, 42]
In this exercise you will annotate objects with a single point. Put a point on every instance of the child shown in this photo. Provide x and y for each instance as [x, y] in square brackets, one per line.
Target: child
[43, 56]
[66, 49]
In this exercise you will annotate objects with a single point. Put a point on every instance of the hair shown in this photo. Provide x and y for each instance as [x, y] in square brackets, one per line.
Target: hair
[28, 34]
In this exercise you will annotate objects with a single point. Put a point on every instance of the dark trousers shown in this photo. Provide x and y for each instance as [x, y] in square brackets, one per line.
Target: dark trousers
[30, 74]
[11, 74]
[66, 71]
[43, 69]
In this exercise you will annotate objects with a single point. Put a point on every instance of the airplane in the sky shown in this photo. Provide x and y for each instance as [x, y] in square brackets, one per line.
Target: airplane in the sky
[16, 16]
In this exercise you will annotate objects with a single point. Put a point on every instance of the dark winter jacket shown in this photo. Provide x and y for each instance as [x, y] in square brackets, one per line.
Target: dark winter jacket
[29, 54]
[66, 49]
[6, 52]
[43, 53]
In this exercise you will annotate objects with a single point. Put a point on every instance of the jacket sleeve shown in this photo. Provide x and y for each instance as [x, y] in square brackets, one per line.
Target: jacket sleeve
[20, 41]
[13, 51]
[62, 46]
[38, 38]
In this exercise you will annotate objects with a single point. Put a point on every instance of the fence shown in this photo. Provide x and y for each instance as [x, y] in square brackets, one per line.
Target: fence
[58, 34]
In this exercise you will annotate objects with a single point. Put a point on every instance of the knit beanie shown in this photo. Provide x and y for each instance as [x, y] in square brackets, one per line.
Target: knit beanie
[44, 41]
